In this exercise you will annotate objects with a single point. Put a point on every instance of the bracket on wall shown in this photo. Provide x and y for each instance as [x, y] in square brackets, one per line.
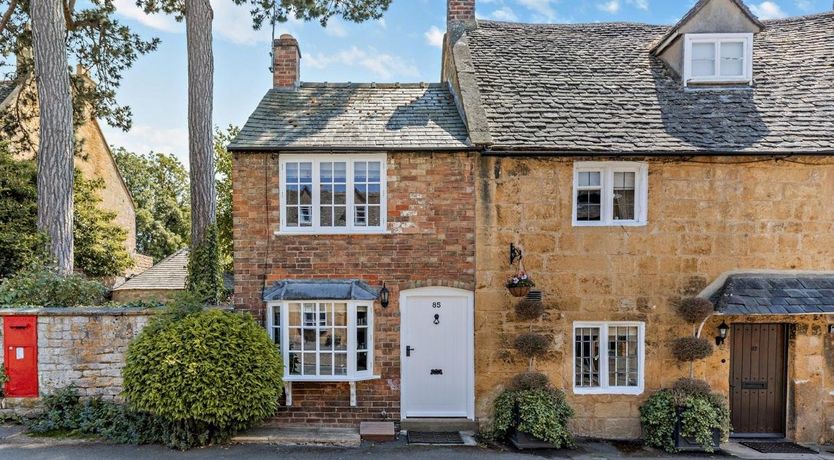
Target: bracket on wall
[515, 253]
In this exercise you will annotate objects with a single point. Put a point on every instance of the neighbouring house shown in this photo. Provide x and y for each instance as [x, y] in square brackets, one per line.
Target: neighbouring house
[633, 164]
[95, 160]
[159, 283]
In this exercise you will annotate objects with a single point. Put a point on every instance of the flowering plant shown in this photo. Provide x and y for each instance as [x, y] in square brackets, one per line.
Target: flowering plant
[520, 279]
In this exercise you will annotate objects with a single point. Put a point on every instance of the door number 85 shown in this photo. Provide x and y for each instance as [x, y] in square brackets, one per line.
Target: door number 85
[435, 305]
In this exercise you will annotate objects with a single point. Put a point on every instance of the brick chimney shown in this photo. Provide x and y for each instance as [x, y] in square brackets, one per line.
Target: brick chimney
[460, 17]
[286, 62]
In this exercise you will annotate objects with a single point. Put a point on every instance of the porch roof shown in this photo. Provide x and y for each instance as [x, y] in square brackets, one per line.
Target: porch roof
[320, 289]
[776, 294]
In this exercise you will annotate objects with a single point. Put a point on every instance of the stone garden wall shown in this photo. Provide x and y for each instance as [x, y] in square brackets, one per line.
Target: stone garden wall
[82, 346]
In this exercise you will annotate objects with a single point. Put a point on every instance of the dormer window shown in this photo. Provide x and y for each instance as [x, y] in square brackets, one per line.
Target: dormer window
[718, 59]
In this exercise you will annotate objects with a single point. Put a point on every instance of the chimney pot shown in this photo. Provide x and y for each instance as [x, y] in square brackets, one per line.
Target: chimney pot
[286, 62]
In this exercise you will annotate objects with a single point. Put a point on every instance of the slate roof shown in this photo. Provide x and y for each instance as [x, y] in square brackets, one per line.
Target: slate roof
[320, 290]
[694, 12]
[322, 116]
[763, 294]
[168, 274]
[597, 88]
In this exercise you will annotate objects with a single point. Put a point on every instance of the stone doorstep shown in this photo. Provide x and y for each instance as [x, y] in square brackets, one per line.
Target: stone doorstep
[378, 431]
[300, 436]
[737, 450]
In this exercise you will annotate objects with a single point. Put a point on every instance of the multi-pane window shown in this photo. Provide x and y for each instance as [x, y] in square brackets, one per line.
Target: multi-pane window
[610, 193]
[333, 193]
[718, 58]
[608, 357]
[323, 340]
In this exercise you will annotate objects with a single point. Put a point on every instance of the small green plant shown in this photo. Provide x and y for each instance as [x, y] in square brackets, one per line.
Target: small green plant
[687, 349]
[541, 412]
[211, 372]
[520, 279]
[43, 287]
[699, 411]
[4, 377]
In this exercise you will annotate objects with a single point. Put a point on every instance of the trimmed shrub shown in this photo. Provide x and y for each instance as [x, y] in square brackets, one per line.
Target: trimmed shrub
[532, 345]
[542, 412]
[43, 287]
[528, 309]
[210, 372]
[686, 387]
[700, 414]
[695, 309]
[688, 349]
[529, 381]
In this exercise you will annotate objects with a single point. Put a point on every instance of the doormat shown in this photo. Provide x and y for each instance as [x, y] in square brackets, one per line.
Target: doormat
[777, 447]
[434, 437]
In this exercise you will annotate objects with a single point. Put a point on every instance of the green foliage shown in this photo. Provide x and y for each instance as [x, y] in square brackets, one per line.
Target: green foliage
[4, 377]
[205, 277]
[542, 412]
[223, 185]
[40, 286]
[686, 349]
[99, 242]
[21, 245]
[700, 414]
[214, 372]
[158, 184]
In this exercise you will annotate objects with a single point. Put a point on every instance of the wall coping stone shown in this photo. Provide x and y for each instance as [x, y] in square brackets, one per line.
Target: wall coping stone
[77, 311]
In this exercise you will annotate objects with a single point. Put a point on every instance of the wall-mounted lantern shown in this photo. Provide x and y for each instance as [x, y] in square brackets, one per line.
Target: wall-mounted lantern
[722, 333]
[383, 296]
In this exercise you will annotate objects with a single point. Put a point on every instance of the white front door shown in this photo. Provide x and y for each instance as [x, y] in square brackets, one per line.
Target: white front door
[436, 351]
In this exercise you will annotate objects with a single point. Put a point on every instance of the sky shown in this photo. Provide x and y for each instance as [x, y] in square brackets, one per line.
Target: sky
[403, 46]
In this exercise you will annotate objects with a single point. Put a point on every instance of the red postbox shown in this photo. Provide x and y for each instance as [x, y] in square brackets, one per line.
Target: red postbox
[20, 355]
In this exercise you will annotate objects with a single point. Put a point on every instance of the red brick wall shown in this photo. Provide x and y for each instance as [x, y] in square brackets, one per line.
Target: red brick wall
[431, 216]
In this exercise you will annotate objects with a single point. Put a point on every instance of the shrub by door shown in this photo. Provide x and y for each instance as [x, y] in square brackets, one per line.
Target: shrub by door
[758, 378]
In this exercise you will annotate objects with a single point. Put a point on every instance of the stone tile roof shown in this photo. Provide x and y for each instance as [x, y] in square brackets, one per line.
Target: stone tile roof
[597, 88]
[763, 294]
[320, 289]
[169, 274]
[321, 116]
[694, 12]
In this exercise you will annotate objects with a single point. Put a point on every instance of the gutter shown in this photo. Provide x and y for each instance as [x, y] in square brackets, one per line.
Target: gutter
[350, 149]
[653, 153]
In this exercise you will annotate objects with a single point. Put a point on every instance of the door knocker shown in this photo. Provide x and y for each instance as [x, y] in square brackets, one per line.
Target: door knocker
[436, 318]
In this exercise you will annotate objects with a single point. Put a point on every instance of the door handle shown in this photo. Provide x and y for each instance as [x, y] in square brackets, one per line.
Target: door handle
[408, 350]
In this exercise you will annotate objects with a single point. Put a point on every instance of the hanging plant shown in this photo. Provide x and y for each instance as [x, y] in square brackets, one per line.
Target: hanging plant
[695, 309]
[687, 349]
[532, 345]
[519, 284]
[529, 309]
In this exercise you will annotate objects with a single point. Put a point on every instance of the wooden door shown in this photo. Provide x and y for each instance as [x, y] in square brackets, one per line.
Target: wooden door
[758, 379]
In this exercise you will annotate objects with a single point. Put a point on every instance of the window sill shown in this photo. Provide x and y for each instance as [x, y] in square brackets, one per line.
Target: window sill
[332, 232]
[329, 379]
[610, 224]
[631, 391]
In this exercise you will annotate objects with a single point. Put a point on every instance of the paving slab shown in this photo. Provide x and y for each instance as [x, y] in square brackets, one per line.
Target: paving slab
[737, 450]
[292, 436]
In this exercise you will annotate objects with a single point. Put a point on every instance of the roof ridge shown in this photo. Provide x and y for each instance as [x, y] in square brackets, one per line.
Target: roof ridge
[389, 85]
[799, 18]
[572, 24]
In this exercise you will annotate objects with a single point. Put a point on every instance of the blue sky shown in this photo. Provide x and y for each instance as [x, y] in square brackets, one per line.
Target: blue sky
[403, 46]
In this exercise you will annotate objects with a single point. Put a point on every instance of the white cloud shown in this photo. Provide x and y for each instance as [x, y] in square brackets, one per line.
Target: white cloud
[768, 10]
[434, 37]
[165, 23]
[543, 7]
[504, 13]
[336, 28]
[612, 6]
[145, 138]
[382, 65]
[804, 5]
[641, 4]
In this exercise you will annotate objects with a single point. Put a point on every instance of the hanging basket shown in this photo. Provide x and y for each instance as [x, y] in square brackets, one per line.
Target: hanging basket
[519, 291]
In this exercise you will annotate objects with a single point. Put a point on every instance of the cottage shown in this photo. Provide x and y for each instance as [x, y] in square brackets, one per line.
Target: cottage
[633, 164]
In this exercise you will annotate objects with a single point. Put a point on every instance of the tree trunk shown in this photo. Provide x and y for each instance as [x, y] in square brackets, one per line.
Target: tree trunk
[55, 149]
[198, 17]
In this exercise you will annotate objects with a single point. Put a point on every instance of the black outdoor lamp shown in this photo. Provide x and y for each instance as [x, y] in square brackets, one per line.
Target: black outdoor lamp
[722, 333]
[383, 296]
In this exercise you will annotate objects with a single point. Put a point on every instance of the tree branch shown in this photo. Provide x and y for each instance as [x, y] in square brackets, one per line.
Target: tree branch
[7, 15]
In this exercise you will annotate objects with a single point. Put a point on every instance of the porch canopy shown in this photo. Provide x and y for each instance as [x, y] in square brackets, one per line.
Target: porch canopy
[349, 289]
[776, 294]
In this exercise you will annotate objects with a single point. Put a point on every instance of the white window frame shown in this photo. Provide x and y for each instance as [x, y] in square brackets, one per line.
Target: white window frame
[603, 387]
[351, 228]
[716, 39]
[607, 170]
[352, 374]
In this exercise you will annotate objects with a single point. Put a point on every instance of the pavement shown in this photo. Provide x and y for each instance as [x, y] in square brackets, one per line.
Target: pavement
[15, 444]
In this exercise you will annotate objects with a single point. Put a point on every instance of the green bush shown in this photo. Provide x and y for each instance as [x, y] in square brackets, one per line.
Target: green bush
[686, 349]
[529, 381]
[541, 412]
[3, 378]
[205, 277]
[43, 287]
[700, 414]
[212, 372]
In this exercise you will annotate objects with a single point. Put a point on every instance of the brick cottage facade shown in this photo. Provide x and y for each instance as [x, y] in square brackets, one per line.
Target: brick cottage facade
[634, 165]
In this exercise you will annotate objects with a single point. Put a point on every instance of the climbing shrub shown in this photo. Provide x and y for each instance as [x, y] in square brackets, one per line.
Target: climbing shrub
[528, 309]
[210, 372]
[205, 277]
[542, 413]
[699, 414]
[532, 345]
[687, 349]
[694, 309]
[44, 287]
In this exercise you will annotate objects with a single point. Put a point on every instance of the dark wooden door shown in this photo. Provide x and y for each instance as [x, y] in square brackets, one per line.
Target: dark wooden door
[758, 377]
